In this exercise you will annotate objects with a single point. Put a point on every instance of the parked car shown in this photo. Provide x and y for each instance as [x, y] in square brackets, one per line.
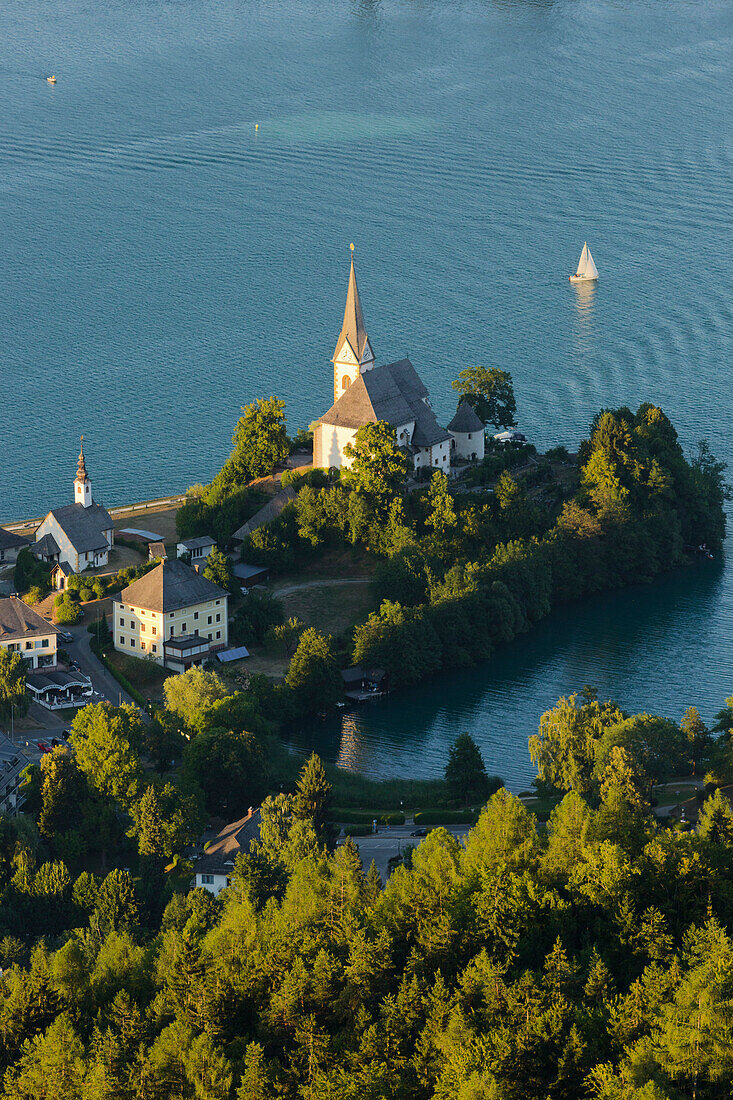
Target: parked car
[74, 666]
[66, 636]
[419, 832]
[43, 746]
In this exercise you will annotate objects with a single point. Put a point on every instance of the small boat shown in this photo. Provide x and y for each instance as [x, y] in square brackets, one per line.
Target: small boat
[587, 271]
[51, 79]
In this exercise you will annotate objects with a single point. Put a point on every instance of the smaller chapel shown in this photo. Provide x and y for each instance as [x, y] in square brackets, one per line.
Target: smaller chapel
[364, 393]
[78, 536]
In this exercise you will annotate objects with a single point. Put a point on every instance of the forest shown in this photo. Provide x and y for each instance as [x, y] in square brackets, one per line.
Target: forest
[587, 957]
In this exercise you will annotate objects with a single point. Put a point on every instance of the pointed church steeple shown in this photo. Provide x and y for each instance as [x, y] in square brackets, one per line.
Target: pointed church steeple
[82, 482]
[353, 354]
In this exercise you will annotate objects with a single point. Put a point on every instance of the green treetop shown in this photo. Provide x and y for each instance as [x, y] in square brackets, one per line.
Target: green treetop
[192, 694]
[465, 772]
[490, 393]
[379, 468]
[218, 569]
[260, 440]
[313, 673]
[13, 698]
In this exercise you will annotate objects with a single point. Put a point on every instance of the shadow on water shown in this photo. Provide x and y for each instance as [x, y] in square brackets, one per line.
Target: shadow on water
[644, 647]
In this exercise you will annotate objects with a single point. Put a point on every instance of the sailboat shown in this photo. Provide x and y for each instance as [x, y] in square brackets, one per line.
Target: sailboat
[587, 270]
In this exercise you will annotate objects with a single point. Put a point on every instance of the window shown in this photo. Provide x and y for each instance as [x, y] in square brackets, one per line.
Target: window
[155, 630]
[122, 640]
[154, 648]
[209, 636]
[218, 618]
[218, 602]
[122, 622]
[195, 614]
[142, 645]
[29, 645]
[218, 634]
[171, 632]
[183, 627]
[207, 880]
[132, 642]
[208, 621]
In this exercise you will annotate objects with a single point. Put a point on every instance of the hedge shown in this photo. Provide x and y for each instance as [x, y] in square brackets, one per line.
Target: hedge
[446, 817]
[364, 817]
[358, 830]
[121, 680]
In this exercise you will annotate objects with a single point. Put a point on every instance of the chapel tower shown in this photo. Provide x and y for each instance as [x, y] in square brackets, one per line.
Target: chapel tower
[82, 482]
[353, 354]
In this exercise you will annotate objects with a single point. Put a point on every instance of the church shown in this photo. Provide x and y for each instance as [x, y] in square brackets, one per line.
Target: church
[364, 393]
[78, 536]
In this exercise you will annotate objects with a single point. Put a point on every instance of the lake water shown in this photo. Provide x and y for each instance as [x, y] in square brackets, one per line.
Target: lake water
[162, 263]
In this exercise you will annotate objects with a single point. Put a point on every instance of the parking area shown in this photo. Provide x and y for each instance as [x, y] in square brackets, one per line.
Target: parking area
[391, 841]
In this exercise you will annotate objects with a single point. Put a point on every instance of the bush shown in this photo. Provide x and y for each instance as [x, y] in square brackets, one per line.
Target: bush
[364, 817]
[86, 594]
[558, 454]
[446, 817]
[35, 594]
[31, 573]
[358, 830]
[65, 611]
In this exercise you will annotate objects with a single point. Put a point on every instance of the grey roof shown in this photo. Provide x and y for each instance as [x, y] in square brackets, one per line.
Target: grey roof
[393, 393]
[223, 850]
[9, 540]
[197, 543]
[18, 620]
[244, 572]
[46, 545]
[157, 550]
[267, 513]
[466, 420]
[56, 678]
[63, 567]
[169, 587]
[186, 641]
[84, 527]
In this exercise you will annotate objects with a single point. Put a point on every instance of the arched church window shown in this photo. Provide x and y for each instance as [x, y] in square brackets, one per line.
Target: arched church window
[345, 382]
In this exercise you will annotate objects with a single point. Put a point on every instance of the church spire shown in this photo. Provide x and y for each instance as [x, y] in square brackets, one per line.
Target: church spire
[82, 482]
[353, 354]
[81, 470]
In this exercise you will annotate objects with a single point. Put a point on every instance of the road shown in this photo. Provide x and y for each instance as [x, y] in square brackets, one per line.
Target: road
[103, 681]
[383, 845]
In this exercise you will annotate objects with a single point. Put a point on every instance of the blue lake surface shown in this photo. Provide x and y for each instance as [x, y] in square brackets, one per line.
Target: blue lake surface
[163, 263]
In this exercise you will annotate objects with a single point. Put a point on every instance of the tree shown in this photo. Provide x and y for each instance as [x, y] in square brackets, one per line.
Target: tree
[260, 439]
[313, 674]
[715, 822]
[465, 772]
[218, 569]
[229, 768]
[106, 741]
[63, 792]
[378, 468]
[65, 611]
[117, 904]
[13, 698]
[442, 517]
[312, 798]
[192, 694]
[490, 393]
[564, 750]
[696, 734]
[52, 1065]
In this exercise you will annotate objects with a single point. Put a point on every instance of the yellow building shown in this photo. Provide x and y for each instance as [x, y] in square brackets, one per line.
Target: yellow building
[172, 614]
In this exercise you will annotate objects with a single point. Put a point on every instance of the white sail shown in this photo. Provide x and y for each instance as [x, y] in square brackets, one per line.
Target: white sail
[591, 271]
[583, 262]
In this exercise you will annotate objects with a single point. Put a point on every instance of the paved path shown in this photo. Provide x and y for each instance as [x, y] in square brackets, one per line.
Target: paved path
[102, 680]
[381, 846]
[290, 588]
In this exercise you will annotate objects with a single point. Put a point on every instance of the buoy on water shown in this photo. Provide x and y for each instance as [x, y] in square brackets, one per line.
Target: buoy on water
[257, 125]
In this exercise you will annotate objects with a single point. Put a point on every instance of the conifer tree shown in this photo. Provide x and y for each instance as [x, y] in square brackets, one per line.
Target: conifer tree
[312, 800]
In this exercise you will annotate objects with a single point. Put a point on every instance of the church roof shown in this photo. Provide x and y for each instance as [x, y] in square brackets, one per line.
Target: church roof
[353, 329]
[172, 585]
[9, 540]
[84, 527]
[466, 420]
[393, 393]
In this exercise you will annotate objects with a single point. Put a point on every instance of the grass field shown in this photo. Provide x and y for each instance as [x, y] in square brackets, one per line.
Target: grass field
[332, 609]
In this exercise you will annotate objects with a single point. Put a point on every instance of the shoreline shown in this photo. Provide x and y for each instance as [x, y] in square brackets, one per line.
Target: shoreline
[118, 511]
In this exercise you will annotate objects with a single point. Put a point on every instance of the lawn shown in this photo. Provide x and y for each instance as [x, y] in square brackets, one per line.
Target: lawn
[332, 609]
[146, 676]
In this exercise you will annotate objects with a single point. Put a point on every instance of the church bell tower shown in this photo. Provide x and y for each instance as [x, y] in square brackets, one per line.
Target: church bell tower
[353, 354]
[82, 482]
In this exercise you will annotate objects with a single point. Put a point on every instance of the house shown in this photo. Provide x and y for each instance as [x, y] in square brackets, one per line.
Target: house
[79, 535]
[198, 549]
[364, 683]
[172, 614]
[215, 866]
[12, 765]
[10, 546]
[467, 433]
[24, 631]
[365, 393]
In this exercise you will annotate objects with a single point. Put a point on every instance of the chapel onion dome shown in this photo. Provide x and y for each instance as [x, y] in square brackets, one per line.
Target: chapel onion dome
[81, 470]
